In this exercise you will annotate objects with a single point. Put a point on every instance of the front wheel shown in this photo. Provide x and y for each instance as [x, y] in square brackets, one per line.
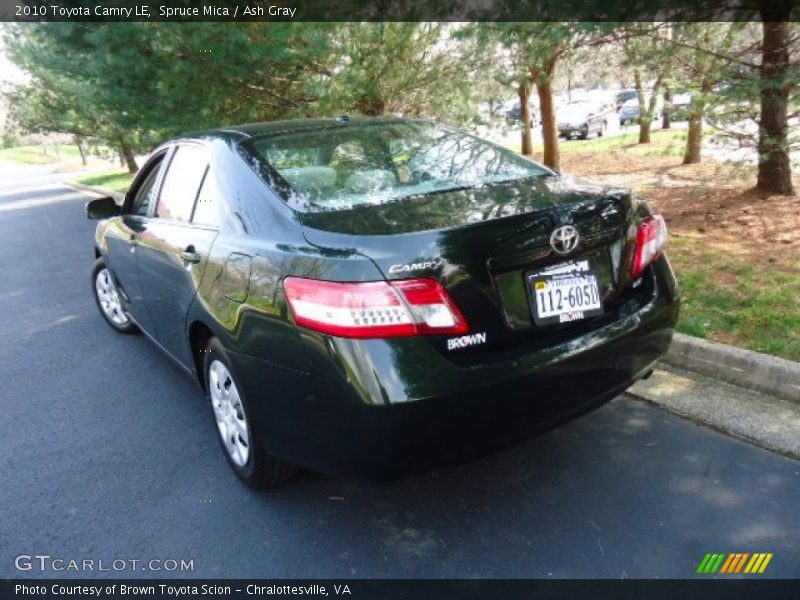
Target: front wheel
[246, 456]
[106, 295]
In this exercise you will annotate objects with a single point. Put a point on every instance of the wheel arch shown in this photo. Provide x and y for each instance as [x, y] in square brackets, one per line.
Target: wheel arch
[199, 336]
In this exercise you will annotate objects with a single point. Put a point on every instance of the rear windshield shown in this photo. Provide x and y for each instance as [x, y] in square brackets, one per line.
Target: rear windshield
[360, 164]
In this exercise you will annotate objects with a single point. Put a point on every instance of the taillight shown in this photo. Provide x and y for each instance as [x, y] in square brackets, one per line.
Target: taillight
[374, 309]
[650, 241]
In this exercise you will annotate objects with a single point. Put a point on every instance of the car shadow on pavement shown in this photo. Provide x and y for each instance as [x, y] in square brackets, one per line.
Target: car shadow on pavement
[628, 490]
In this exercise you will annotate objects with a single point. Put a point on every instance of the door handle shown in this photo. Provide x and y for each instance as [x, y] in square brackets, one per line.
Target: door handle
[190, 255]
[132, 240]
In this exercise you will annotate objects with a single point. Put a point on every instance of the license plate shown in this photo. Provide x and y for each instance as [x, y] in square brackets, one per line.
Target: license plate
[563, 294]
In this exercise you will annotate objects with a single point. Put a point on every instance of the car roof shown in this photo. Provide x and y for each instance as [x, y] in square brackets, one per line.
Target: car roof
[250, 130]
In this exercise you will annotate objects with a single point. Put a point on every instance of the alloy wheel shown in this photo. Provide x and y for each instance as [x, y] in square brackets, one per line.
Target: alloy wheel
[108, 297]
[229, 413]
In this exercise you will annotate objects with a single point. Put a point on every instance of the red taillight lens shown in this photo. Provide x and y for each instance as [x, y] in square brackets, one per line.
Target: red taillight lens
[373, 309]
[432, 309]
[650, 241]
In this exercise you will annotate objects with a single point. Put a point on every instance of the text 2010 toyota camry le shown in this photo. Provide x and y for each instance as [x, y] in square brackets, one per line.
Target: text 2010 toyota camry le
[375, 297]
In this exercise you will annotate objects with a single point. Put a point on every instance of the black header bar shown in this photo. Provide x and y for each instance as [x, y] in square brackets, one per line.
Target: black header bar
[390, 10]
[402, 589]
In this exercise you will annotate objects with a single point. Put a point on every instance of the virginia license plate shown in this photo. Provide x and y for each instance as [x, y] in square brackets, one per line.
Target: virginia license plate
[563, 294]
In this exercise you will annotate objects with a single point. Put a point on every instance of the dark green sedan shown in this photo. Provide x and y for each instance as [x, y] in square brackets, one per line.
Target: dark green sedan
[376, 297]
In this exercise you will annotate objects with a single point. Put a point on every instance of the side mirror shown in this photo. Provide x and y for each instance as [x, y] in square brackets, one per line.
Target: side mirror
[102, 208]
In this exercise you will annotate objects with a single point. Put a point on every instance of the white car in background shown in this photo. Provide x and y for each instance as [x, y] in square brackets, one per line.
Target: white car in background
[581, 119]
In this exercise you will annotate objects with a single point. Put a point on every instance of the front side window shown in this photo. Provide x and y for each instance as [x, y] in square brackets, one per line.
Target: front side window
[374, 163]
[146, 193]
[181, 183]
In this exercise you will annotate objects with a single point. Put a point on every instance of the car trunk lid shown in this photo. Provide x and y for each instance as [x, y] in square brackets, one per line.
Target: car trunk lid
[483, 243]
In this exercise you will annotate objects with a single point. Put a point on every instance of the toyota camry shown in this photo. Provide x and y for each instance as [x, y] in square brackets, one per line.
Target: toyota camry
[376, 297]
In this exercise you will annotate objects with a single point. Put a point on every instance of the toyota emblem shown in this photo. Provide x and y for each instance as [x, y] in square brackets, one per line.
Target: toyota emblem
[564, 239]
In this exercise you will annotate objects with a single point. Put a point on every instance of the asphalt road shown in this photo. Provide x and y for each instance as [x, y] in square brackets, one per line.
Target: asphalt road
[108, 451]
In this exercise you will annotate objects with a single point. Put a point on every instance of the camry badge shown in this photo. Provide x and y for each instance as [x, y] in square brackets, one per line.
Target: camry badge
[564, 239]
[432, 263]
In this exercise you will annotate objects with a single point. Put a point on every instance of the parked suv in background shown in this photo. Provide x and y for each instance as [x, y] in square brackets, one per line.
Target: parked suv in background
[623, 96]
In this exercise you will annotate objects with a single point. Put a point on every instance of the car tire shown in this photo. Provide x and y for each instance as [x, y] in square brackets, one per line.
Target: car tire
[584, 134]
[106, 296]
[243, 450]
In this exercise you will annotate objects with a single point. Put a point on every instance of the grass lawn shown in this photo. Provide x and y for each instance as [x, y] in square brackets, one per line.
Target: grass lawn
[732, 300]
[115, 180]
[662, 142]
[34, 155]
[670, 142]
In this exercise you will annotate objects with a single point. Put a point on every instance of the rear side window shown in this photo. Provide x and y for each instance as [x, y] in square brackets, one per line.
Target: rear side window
[181, 183]
[206, 212]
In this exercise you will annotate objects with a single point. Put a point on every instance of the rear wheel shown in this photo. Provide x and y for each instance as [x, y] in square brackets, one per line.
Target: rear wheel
[106, 295]
[246, 456]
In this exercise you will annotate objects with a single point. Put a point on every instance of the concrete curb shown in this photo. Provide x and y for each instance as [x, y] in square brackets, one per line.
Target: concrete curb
[117, 196]
[752, 370]
[764, 420]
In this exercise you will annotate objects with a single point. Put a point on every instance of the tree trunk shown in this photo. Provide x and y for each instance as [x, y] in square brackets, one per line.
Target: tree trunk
[81, 149]
[646, 111]
[523, 91]
[127, 156]
[644, 129]
[544, 87]
[665, 119]
[694, 139]
[774, 165]
[697, 112]
[644, 122]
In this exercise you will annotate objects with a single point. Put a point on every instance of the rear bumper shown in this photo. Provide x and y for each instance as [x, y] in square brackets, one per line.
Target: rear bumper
[568, 130]
[377, 410]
